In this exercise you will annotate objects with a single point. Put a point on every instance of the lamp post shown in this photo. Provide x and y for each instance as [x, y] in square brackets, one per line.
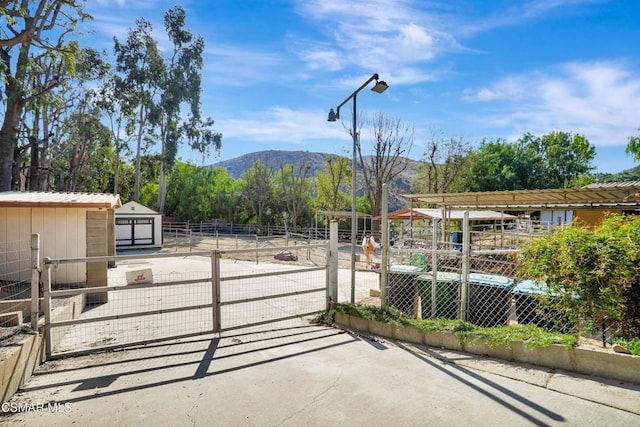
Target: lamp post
[379, 87]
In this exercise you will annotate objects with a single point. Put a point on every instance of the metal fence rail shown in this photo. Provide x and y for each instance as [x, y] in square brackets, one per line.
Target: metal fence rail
[165, 304]
[179, 295]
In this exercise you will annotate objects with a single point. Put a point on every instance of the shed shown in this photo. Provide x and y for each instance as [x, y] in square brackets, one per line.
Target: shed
[138, 227]
[71, 225]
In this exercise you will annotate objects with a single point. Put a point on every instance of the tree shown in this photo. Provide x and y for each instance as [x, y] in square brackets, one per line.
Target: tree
[495, 165]
[201, 193]
[442, 162]
[332, 184]
[140, 64]
[566, 156]
[88, 142]
[80, 154]
[112, 103]
[23, 44]
[158, 88]
[292, 191]
[181, 83]
[257, 192]
[633, 147]
[392, 141]
[555, 160]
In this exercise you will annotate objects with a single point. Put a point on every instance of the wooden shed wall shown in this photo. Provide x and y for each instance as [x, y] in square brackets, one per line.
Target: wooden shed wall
[62, 235]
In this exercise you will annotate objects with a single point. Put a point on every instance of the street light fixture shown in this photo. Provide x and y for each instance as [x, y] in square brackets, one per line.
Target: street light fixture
[379, 87]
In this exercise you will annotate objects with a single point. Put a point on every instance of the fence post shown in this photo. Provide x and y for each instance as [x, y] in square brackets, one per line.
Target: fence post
[434, 268]
[384, 250]
[35, 280]
[466, 243]
[332, 272]
[47, 311]
[215, 291]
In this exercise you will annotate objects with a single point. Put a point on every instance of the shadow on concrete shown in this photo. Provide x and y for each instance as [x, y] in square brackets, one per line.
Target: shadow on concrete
[467, 372]
[201, 371]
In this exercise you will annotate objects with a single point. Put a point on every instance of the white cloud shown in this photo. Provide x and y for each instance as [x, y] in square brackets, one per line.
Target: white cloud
[598, 99]
[283, 125]
[233, 65]
[382, 35]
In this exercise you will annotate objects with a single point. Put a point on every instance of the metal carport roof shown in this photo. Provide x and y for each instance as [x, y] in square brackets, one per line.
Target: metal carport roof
[453, 215]
[625, 194]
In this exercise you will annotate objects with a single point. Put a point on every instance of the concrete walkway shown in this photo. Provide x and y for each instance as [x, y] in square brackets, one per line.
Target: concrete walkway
[299, 374]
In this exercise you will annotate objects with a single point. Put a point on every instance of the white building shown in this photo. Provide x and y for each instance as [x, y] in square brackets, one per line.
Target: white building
[138, 227]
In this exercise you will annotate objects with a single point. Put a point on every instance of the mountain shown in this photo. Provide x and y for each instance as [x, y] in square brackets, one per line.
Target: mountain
[275, 159]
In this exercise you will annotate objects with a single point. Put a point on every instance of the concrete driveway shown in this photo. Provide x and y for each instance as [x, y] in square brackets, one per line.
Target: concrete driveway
[293, 374]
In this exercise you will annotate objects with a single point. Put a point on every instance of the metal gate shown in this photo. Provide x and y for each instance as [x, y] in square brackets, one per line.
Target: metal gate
[156, 297]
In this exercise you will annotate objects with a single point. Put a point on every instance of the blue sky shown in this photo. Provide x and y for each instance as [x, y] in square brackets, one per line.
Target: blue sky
[464, 69]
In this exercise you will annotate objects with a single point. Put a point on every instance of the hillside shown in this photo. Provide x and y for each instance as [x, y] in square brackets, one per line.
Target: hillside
[275, 159]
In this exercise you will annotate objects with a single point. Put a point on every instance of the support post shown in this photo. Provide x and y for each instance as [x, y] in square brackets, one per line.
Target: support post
[332, 261]
[384, 251]
[35, 280]
[434, 268]
[46, 302]
[464, 294]
[215, 291]
[354, 208]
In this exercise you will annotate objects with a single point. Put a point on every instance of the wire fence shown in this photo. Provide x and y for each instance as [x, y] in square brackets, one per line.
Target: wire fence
[15, 284]
[454, 277]
[152, 297]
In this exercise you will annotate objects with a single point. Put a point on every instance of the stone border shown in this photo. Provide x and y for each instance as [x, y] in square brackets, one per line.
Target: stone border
[617, 366]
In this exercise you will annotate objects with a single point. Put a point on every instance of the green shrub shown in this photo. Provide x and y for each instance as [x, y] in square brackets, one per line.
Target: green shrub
[600, 266]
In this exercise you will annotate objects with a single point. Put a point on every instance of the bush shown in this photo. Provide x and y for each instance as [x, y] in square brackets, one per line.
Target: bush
[600, 266]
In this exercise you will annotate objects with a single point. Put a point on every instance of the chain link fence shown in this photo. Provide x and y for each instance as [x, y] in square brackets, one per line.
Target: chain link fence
[473, 278]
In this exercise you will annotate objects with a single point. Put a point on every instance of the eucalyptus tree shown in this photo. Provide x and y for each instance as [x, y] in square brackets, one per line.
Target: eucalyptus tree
[181, 84]
[75, 145]
[140, 66]
[113, 107]
[25, 27]
[157, 89]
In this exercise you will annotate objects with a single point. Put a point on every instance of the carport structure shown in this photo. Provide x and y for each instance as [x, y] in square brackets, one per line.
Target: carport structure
[589, 204]
[613, 196]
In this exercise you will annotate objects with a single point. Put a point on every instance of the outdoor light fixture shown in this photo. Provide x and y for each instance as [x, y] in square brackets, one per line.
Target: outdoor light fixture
[379, 87]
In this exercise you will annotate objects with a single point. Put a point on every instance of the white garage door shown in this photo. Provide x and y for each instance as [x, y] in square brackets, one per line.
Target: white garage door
[135, 231]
